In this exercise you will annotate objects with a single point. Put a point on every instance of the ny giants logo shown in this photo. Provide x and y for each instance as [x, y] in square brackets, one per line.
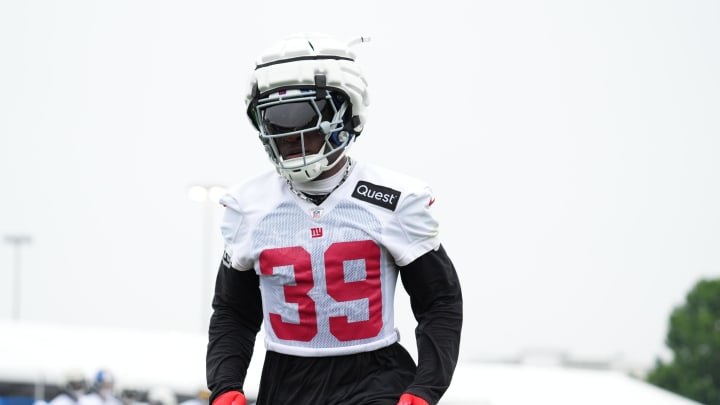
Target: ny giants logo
[316, 232]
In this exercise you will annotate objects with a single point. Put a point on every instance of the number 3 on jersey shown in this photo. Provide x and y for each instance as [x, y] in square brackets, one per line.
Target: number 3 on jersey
[337, 288]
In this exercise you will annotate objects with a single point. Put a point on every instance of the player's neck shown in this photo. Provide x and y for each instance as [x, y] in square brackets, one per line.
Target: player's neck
[328, 184]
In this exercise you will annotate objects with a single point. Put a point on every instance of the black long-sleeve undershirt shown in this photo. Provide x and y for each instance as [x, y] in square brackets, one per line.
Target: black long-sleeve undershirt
[436, 301]
[235, 323]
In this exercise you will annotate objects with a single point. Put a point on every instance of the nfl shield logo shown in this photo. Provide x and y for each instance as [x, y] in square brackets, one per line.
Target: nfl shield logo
[316, 212]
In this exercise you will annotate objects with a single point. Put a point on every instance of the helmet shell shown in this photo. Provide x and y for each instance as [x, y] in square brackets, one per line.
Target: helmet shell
[298, 59]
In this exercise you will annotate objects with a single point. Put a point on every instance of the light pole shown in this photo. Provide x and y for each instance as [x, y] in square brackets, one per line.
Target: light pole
[17, 240]
[208, 195]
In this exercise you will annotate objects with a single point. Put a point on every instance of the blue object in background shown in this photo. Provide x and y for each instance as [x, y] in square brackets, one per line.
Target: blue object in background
[16, 401]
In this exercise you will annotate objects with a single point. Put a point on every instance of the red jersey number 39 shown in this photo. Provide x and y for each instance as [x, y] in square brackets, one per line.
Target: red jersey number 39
[337, 288]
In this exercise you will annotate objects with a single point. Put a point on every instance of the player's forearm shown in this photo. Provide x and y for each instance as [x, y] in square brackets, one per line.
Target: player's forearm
[436, 299]
[230, 349]
[233, 327]
[438, 342]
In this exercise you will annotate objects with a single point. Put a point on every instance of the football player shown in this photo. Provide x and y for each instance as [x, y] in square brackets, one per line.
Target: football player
[74, 388]
[313, 250]
[102, 391]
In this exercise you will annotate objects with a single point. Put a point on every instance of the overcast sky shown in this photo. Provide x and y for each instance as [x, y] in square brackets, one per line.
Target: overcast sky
[573, 148]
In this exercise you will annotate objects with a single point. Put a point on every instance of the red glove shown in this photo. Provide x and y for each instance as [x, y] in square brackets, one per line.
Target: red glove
[232, 398]
[408, 399]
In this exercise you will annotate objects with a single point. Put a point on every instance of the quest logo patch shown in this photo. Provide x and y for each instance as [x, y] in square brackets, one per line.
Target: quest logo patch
[385, 197]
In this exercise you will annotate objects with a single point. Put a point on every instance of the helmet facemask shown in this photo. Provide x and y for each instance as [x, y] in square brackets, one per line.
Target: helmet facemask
[300, 113]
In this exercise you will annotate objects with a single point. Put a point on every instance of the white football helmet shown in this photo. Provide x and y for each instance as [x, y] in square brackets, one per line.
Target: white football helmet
[75, 383]
[308, 82]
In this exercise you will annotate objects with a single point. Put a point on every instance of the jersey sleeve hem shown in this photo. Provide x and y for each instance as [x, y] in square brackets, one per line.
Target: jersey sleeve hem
[417, 249]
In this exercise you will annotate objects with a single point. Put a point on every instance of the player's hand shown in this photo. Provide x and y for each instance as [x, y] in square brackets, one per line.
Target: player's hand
[230, 398]
[409, 399]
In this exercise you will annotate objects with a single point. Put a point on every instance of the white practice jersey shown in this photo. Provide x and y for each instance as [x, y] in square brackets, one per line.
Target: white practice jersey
[328, 273]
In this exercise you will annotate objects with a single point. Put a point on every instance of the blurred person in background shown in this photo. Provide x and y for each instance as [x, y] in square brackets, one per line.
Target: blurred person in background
[161, 395]
[132, 396]
[102, 391]
[201, 398]
[74, 388]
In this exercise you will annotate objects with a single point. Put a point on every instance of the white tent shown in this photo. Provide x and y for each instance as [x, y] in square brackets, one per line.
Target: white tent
[516, 384]
[43, 353]
[32, 352]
